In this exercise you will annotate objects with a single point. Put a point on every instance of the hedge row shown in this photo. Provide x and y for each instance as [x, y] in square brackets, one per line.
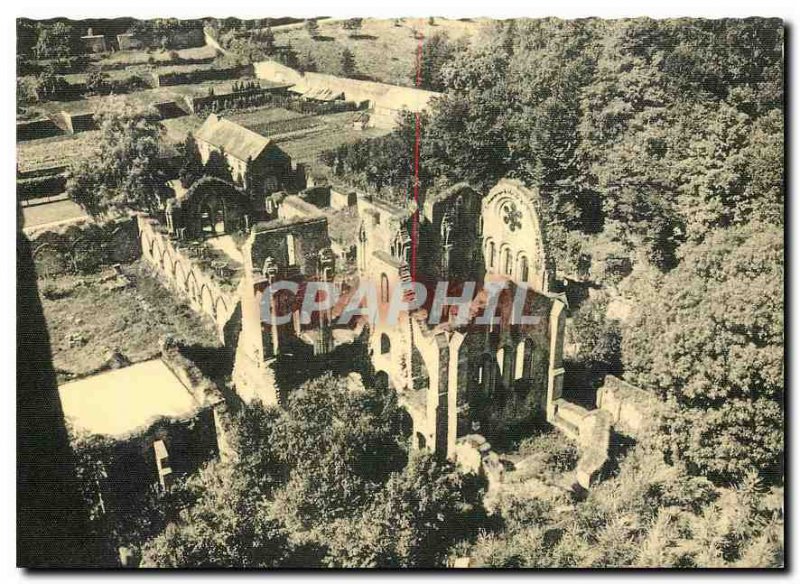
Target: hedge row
[41, 186]
[200, 75]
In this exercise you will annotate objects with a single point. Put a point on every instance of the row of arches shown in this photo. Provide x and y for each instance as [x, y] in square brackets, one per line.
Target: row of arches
[504, 260]
[510, 363]
[181, 274]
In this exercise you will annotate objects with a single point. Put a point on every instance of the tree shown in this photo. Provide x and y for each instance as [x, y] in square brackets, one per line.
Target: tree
[348, 63]
[27, 33]
[709, 339]
[312, 27]
[411, 521]
[599, 338]
[298, 468]
[217, 166]
[307, 63]
[49, 86]
[341, 441]
[267, 38]
[437, 51]
[122, 171]
[353, 25]
[228, 526]
[98, 82]
[192, 163]
[57, 40]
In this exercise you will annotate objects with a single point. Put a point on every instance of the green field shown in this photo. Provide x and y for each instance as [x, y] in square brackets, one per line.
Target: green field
[86, 319]
[142, 56]
[383, 52]
[37, 215]
[55, 151]
[334, 130]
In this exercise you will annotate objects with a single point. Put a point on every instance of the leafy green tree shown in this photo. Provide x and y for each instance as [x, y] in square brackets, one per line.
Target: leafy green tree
[267, 38]
[599, 338]
[27, 33]
[437, 51]
[348, 63]
[192, 163]
[49, 86]
[411, 521]
[341, 442]
[709, 340]
[312, 28]
[228, 526]
[98, 82]
[648, 515]
[56, 40]
[217, 166]
[353, 25]
[122, 171]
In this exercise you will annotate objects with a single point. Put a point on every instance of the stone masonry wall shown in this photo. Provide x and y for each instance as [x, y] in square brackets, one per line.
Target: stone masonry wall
[183, 275]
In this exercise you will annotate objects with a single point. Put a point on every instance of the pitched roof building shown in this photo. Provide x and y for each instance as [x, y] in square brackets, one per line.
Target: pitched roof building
[247, 153]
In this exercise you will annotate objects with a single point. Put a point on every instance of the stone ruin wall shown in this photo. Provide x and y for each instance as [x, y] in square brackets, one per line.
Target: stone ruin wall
[185, 276]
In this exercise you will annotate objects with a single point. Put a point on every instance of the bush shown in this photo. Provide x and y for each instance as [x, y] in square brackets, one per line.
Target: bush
[599, 338]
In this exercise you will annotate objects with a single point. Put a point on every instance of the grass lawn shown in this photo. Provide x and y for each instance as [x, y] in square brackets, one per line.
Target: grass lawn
[92, 319]
[383, 52]
[336, 129]
[141, 57]
[51, 212]
[55, 151]
[269, 121]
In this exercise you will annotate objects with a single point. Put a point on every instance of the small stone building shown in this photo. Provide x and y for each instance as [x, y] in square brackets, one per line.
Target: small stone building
[256, 162]
[210, 207]
[94, 43]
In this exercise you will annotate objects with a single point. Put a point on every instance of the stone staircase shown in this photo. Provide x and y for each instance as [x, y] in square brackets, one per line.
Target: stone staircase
[591, 429]
[567, 417]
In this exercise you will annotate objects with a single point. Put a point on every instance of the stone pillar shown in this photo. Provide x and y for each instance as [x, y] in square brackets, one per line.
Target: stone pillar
[555, 374]
[323, 343]
[162, 464]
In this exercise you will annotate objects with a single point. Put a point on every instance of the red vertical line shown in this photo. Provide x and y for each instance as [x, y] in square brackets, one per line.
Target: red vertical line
[415, 218]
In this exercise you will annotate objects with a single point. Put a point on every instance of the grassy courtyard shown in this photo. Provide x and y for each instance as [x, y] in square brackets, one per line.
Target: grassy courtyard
[87, 316]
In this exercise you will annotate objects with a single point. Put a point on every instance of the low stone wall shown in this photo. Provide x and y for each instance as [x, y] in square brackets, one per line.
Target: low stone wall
[591, 429]
[594, 440]
[200, 75]
[85, 248]
[41, 186]
[36, 129]
[632, 409]
[185, 276]
[342, 198]
[205, 392]
[387, 101]
[74, 123]
[277, 72]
